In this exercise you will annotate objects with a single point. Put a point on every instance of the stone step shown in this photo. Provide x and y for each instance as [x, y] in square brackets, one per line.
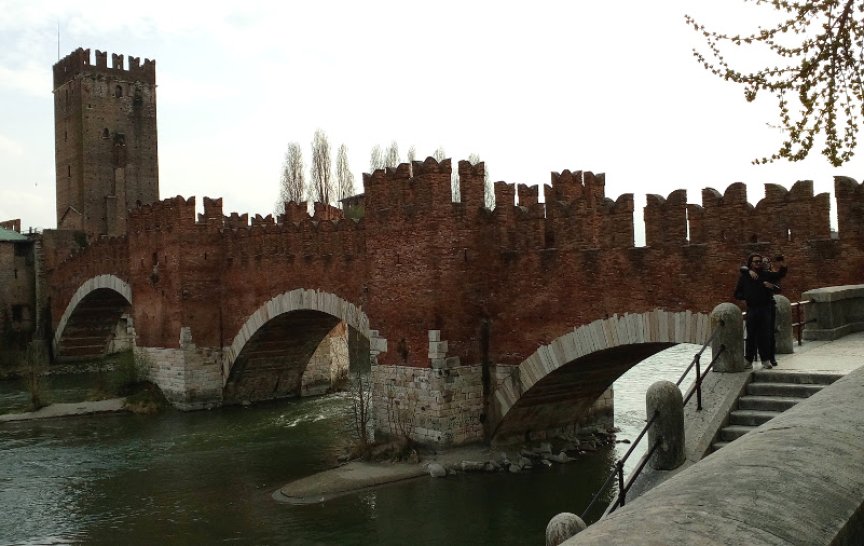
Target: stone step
[717, 445]
[733, 432]
[767, 403]
[752, 418]
[778, 375]
[83, 341]
[786, 390]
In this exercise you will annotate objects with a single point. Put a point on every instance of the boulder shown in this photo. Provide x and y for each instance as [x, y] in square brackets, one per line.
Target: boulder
[436, 470]
[561, 457]
[471, 466]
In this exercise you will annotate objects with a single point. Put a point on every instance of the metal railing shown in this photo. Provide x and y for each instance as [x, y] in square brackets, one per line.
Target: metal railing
[696, 389]
[618, 471]
[798, 326]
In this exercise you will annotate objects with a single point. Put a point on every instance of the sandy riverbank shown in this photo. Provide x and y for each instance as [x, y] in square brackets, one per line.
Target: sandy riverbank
[68, 409]
[358, 476]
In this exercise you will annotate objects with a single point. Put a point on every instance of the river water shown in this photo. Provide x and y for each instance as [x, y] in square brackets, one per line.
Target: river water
[207, 477]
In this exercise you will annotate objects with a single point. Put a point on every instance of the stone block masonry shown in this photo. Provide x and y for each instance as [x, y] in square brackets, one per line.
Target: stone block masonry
[190, 377]
[432, 406]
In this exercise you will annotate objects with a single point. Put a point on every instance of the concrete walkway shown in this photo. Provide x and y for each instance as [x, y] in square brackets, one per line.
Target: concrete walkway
[839, 356]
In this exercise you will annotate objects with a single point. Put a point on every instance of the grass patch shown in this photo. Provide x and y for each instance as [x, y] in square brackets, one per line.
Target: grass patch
[145, 398]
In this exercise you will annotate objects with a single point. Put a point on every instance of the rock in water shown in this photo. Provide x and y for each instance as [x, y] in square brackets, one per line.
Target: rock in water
[436, 470]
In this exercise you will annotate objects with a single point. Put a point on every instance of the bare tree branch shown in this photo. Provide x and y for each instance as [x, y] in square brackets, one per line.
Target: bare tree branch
[818, 83]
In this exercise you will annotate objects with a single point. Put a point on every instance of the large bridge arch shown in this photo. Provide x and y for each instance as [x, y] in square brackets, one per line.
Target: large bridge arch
[91, 317]
[288, 327]
[556, 385]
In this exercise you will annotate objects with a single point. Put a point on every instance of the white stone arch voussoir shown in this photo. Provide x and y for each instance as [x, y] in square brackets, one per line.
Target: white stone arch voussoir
[299, 299]
[656, 326]
[111, 282]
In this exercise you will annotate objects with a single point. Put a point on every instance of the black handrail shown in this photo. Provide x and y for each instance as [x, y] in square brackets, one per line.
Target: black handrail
[799, 326]
[697, 386]
[619, 465]
[695, 362]
[619, 469]
[624, 489]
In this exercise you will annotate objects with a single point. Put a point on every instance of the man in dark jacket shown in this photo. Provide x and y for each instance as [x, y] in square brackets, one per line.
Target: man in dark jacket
[757, 286]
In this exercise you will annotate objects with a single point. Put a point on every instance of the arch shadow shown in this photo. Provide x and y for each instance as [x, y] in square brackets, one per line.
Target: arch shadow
[270, 354]
[91, 318]
[555, 386]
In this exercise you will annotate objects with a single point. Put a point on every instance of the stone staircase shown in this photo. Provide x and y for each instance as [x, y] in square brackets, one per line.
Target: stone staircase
[769, 393]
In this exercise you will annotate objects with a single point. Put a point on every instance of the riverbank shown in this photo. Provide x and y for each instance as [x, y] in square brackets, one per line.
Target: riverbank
[358, 476]
[68, 409]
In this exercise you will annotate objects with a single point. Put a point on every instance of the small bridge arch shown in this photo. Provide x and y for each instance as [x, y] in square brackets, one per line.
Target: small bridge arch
[268, 355]
[555, 386]
[91, 317]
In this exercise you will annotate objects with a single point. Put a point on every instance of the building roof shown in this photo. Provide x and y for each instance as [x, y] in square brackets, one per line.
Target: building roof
[7, 235]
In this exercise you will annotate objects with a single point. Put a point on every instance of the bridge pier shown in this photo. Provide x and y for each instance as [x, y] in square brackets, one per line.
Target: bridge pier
[189, 376]
[440, 406]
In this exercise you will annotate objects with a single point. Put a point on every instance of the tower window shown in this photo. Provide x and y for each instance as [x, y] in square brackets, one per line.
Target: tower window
[118, 91]
[105, 133]
[69, 171]
[17, 313]
[65, 135]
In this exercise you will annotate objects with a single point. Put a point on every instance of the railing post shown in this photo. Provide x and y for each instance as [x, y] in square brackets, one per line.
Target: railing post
[783, 342]
[698, 385]
[622, 493]
[726, 317]
[799, 321]
[664, 398]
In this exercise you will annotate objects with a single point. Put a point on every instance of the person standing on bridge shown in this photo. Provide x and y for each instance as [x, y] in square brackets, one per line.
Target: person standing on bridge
[757, 286]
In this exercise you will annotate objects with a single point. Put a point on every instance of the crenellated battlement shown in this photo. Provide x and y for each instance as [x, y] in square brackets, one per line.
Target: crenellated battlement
[166, 215]
[570, 186]
[422, 186]
[576, 213]
[79, 62]
[666, 219]
[850, 207]
[782, 216]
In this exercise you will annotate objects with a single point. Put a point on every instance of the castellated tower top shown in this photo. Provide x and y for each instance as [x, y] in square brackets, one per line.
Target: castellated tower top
[78, 62]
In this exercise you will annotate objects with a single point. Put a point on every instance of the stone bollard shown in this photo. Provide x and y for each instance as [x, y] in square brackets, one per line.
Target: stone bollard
[727, 317]
[784, 340]
[665, 398]
[563, 526]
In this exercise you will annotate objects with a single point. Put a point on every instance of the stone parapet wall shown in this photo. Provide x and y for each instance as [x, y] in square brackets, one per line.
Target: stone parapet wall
[432, 406]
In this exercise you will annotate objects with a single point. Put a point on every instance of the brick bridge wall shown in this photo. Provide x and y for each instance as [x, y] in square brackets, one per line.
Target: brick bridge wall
[453, 285]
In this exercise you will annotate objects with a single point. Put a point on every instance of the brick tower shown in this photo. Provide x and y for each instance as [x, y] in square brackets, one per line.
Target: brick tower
[105, 141]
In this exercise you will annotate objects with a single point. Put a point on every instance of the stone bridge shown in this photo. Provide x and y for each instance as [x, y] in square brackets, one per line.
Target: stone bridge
[479, 323]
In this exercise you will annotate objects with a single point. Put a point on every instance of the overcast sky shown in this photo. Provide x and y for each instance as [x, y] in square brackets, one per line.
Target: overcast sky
[531, 87]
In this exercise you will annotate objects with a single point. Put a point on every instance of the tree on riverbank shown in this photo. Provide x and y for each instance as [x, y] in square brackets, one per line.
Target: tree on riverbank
[36, 374]
[360, 412]
[818, 82]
